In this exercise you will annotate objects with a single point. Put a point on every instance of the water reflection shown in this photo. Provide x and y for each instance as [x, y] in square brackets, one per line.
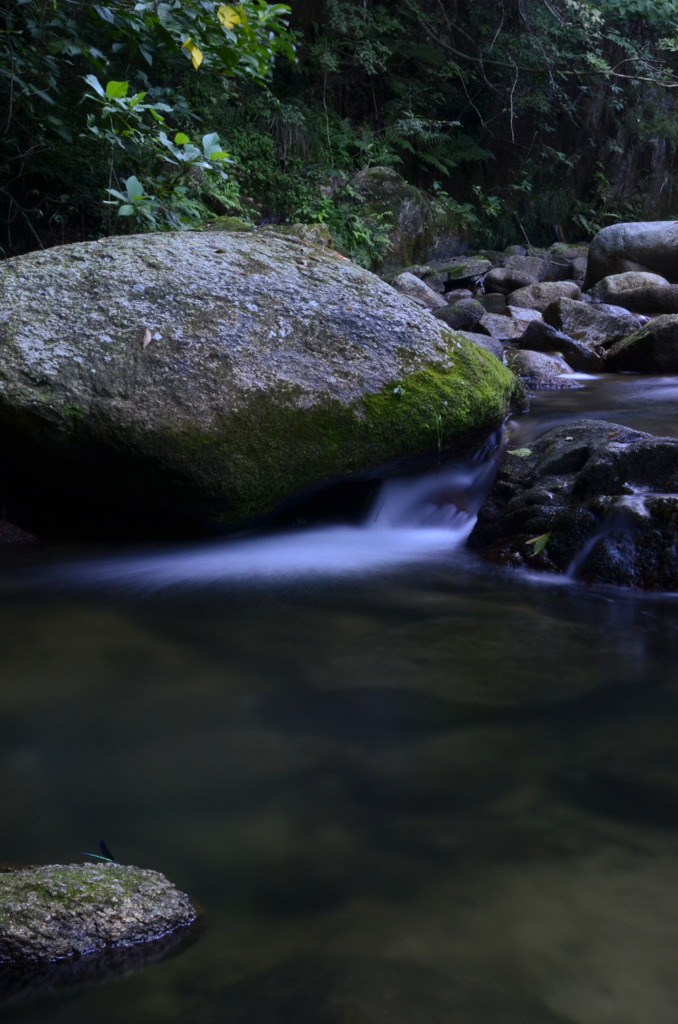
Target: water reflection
[429, 790]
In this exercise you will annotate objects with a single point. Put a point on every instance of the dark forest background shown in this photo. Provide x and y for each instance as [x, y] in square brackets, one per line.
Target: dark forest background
[525, 118]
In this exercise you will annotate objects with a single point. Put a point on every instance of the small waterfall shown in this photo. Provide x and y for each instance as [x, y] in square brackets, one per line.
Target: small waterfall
[415, 519]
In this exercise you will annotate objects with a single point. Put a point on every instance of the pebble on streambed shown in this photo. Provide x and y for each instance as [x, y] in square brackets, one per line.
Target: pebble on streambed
[57, 911]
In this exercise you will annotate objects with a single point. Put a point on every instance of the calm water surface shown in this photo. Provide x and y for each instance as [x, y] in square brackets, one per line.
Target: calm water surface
[407, 787]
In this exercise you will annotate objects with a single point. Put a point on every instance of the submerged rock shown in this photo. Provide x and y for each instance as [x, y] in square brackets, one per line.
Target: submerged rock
[593, 499]
[182, 383]
[49, 913]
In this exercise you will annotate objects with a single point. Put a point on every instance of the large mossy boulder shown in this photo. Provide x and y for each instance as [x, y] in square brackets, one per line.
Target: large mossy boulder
[592, 499]
[184, 383]
[59, 911]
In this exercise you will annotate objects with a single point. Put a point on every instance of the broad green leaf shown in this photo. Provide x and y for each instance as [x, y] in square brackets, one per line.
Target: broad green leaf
[181, 139]
[539, 543]
[522, 453]
[104, 13]
[210, 142]
[126, 210]
[195, 52]
[94, 82]
[116, 90]
[134, 188]
[228, 16]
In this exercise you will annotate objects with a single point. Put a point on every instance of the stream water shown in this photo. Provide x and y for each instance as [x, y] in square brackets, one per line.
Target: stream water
[407, 787]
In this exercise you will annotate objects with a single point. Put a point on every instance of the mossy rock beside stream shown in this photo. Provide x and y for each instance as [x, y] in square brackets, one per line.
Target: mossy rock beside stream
[175, 384]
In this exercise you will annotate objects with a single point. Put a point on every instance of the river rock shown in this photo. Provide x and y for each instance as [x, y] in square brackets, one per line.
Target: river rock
[643, 246]
[536, 364]
[501, 326]
[417, 289]
[601, 497]
[541, 370]
[58, 911]
[609, 289]
[457, 294]
[505, 281]
[539, 296]
[493, 345]
[650, 300]
[464, 315]
[596, 325]
[578, 269]
[651, 349]
[13, 536]
[523, 314]
[462, 271]
[541, 337]
[181, 383]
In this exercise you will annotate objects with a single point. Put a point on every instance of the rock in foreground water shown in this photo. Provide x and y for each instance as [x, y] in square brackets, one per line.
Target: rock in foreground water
[58, 911]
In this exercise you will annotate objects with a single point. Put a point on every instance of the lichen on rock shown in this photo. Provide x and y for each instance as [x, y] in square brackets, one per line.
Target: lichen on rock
[58, 911]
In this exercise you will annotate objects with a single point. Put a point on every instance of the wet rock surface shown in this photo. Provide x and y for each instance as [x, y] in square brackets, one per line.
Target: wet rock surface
[650, 349]
[541, 337]
[59, 911]
[593, 499]
[596, 325]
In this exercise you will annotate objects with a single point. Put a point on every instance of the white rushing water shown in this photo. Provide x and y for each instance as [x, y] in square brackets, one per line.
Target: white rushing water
[414, 520]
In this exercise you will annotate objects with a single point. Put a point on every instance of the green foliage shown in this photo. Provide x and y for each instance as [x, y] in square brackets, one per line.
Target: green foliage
[538, 543]
[58, 159]
[162, 198]
[517, 115]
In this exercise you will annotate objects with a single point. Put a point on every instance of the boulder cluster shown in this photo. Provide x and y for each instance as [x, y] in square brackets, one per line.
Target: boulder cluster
[551, 314]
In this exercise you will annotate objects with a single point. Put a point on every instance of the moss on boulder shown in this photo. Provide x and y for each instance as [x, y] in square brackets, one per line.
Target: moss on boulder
[181, 383]
[59, 911]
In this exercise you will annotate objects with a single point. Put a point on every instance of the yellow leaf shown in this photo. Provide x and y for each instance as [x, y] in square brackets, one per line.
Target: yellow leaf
[228, 16]
[195, 52]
